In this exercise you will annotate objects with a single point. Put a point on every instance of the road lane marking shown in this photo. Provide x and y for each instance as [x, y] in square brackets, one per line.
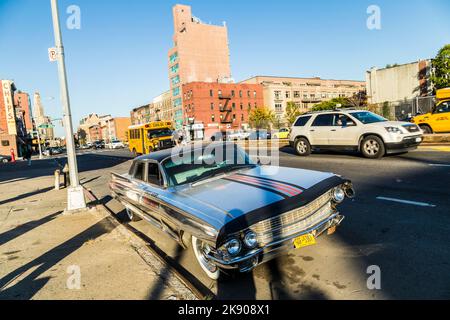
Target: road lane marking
[414, 203]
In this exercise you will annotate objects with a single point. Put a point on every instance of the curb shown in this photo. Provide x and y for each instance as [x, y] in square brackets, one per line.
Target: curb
[142, 249]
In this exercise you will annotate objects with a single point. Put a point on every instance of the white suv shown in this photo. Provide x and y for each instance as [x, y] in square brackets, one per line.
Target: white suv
[358, 130]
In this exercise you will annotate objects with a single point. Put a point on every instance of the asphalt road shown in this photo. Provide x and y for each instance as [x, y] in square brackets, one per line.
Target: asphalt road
[399, 222]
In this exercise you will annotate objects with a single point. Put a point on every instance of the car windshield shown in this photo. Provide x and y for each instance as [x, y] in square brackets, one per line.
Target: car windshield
[367, 117]
[193, 166]
[159, 133]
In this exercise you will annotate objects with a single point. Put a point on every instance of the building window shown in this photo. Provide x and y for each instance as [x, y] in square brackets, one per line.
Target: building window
[278, 107]
[211, 93]
[296, 94]
[5, 143]
[254, 94]
[176, 91]
[220, 93]
[242, 106]
[174, 69]
[249, 106]
[277, 95]
[234, 117]
[242, 117]
[288, 94]
[234, 106]
[213, 118]
[232, 93]
[173, 57]
[256, 105]
[212, 106]
[240, 93]
[248, 94]
[177, 102]
[176, 80]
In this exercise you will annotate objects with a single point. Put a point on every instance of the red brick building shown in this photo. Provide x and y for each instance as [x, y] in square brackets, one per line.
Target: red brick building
[23, 106]
[220, 106]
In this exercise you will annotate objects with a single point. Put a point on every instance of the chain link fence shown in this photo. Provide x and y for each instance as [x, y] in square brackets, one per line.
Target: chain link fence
[404, 110]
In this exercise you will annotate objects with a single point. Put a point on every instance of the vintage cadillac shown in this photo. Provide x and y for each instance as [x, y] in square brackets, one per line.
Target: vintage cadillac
[233, 212]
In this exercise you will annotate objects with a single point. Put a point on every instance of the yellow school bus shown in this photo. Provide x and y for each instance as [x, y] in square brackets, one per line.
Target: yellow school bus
[146, 138]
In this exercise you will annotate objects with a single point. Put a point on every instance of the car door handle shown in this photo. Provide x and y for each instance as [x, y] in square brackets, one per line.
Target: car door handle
[334, 130]
[312, 130]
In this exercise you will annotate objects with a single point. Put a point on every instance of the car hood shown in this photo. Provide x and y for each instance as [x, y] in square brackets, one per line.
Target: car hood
[226, 198]
[392, 124]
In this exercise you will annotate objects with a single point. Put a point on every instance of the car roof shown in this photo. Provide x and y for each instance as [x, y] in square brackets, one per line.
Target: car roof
[347, 110]
[160, 156]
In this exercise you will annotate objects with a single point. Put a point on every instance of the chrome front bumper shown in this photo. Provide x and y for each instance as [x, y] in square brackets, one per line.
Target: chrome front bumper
[260, 255]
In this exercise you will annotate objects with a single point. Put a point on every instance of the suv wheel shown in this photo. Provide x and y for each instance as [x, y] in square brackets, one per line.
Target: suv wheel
[426, 129]
[302, 147]
[373, 147]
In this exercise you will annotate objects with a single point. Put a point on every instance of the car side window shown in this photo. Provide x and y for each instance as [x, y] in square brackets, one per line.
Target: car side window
[443, 108]
[154, 175]
[341, 120]
[302, 121]
[324, 120]
[139, 171]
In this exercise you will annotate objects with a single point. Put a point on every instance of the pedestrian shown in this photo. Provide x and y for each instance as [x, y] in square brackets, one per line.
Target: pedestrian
[27, 153]
[176, 138]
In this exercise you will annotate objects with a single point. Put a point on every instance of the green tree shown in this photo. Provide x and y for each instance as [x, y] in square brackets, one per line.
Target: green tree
[261, 118]
[333, 104]
[292, 112]
[81, 136]
[441, 66]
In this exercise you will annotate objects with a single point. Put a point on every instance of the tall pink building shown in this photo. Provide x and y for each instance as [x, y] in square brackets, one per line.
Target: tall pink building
[200, 54]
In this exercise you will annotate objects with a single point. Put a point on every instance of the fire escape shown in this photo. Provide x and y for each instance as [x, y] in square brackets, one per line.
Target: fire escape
[226, 110]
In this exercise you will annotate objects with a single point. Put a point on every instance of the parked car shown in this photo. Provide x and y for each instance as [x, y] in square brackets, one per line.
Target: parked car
[259, 135]
[5, 159]
[100, 144]
[234, 215]
[238, 135]
[51, 151]
[116, 144]
[357, 130]
[283, 133]
[218, 136]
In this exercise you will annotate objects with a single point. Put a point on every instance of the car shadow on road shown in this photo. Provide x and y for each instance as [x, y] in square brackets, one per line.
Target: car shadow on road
[27, 287]
[20, 230]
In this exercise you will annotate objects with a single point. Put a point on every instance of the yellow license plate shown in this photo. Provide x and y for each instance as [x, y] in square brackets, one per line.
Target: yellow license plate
[304, 241]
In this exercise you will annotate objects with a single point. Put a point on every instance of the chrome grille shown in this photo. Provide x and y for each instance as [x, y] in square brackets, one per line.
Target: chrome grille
[292, 222]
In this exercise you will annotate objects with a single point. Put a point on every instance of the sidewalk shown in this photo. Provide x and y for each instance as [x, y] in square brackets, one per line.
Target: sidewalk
[45, 254]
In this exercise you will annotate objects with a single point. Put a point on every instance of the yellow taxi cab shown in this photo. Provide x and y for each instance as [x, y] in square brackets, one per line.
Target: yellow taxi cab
[438, 121]
[282, 134]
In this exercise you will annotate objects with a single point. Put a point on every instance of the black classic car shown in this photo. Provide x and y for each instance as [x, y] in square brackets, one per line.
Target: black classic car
[234, 213]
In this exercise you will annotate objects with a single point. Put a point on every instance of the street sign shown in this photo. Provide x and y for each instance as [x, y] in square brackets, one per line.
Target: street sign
[52, 54]
[46, 126]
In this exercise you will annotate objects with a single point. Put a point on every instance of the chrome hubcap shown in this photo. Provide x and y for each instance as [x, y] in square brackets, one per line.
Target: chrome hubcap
[371, 147]
[301, 147]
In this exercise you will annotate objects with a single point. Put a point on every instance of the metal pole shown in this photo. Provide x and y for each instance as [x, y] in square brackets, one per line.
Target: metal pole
[75, 193]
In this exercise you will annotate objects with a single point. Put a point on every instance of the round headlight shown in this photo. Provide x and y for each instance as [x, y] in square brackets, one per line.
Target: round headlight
[233, 247]
[338, 195]
[250, 240]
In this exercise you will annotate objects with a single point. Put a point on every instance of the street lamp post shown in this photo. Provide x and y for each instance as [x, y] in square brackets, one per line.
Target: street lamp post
[75, 192]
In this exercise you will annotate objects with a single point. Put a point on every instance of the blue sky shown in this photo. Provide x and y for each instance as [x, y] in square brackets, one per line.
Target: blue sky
[117, 60]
